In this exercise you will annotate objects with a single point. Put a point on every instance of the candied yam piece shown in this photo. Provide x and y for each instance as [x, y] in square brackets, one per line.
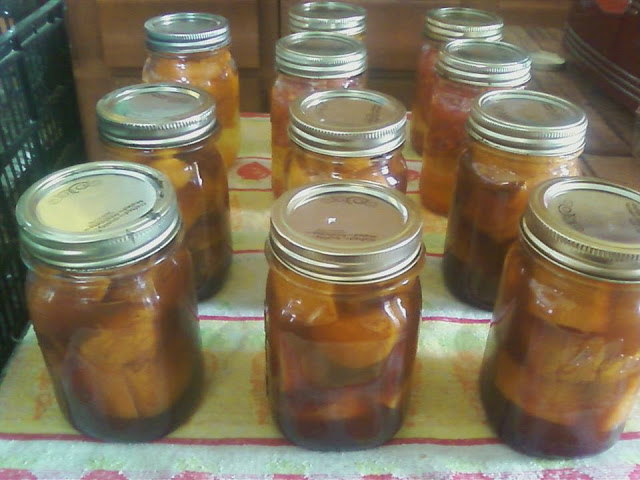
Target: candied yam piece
[361, 339]
[180, 173]
[493, 198]
[346, 406]
[569, 300]
[228, 142]
[301, 170]
[122, 335]
[555, 401]
[620, 405]
[299, 303]
[93, 386]
[564, 354]
[157, 385]
[624, 311]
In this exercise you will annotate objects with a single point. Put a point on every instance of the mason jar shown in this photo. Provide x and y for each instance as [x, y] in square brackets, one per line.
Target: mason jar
[442, 25]
[194, 48]
[342, 311]
[329, 17]
[561, 369]
[111, 297]
[518, 139]
[347, 134]
[308, 62]
[172, 127]
[465, 70]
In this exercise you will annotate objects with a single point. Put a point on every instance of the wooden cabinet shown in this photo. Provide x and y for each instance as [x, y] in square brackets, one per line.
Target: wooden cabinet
[107, 38]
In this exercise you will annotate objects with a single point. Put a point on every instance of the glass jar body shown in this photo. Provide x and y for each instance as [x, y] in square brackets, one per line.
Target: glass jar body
[491, 194]
[425, 78]
[215, 72]
[445, 138]
[303, 167]
[199, 178]
[285, 90]
[560, 371]
[339, 357]
[121, 345]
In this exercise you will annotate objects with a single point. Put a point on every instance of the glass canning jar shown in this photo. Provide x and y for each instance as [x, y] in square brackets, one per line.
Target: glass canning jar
[518, 139]
[465, 69]
[329, 17]
[561, 369]
[308, 62]
[347, 134]
[194, 48]
[172, 127]
[442, 25]
[342, 311]
[111, 297]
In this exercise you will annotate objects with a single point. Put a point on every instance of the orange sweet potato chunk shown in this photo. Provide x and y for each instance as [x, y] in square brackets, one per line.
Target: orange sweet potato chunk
[555, 401]
[569, 300]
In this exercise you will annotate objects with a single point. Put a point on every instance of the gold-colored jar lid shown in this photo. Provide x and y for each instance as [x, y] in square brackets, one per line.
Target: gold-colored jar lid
[588, 225]
[320, 55]
[484, 63]
[348, 123]
[156, 115]
[337, 17]
[346, 231]
[98, 215]
[527, 122]
[187, 32]
[451, 23]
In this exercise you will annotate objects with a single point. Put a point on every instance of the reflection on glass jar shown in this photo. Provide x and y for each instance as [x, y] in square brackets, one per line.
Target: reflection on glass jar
[561, 369]
[347, 134]
[111, 296]
[329, 17]
[518, 139]
[465, 69]
[308, 62]
[442, 25]
[342, 310]
[194, 48]
[172, 128]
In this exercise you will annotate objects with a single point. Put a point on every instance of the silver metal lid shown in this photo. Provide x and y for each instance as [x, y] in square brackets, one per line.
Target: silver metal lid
[187, 32]
[98, 215]
[335, 17]
[484, 63]
[346, 232]
[451, 23]
[348, 123]
[527, 122]
[156, 115]
[586, 224]
[320, 55]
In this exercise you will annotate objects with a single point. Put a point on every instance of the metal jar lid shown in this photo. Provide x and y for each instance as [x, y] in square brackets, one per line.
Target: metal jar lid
[588, 225]
[451, 23]
[335, 17]
[484, 63]
[187, 32]
[348, 123]
[320, 55]
[346, 232]
[527, 122]
[156, 115]
[98, 215]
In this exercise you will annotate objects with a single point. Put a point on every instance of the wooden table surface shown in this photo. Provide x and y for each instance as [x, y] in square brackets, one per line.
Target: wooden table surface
[610, 132]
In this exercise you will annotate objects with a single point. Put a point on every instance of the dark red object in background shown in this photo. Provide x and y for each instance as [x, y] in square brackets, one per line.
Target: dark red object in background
[603, 38]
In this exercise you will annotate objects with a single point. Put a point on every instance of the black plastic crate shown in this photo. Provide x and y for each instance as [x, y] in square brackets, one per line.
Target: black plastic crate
[40, 131]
